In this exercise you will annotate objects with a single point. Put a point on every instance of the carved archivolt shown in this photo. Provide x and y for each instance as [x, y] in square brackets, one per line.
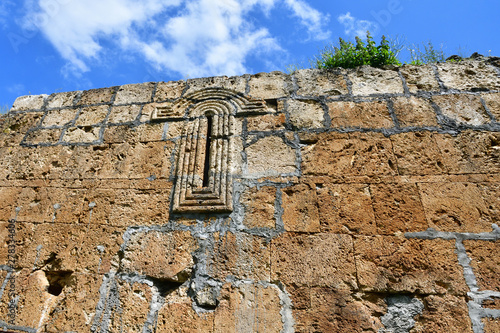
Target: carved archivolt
[203, 178]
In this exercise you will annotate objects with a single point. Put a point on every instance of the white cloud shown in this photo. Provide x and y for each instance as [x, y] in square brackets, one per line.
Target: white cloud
[311, 18]
[193, 38]
[354, 27]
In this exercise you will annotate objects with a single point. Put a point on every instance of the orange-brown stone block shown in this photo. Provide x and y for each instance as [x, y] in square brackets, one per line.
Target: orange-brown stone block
[417, 153]
[443, 314]
[398, 208]
[44, 136]
[395, 264]
[334, 310]
[96, 96]
[363, 114]
[345, 208]
[169, 90]
[259, 207]
[491, 325]
[300, 210]
[369, 155]
[414, 112]
[241, 255]
[162, 255]
[15, 127]
[485, 263]
[471, 152]
[268, 122]
[249, 308]
[92, 115]
[314, 260]
[455, 207]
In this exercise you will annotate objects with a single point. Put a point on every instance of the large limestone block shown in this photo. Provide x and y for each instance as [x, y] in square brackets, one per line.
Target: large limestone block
[177, 316]
[161, 255]
[314, 260]
[464, 109]
[59, 117]
[367, 154]
[300, 211]
[485, 263]
[234, 83]
[240, 255]
[270, 156]
[15, 127]
[60, 100]
[417, 153]
[270, 85]
[317, 82]
[469, 75]
[455, 207]
[169, 90]
[368, 80]
[414, 112]
[419, 78]
[364, 114]
[470, 152]
[249, 307]
[92, 115]
[395, 264]
[142, 133]
[345, 208]
[97, 96]
[29, 102]
[398, 208]
[134, 93]
[306, 114]
[259, 204]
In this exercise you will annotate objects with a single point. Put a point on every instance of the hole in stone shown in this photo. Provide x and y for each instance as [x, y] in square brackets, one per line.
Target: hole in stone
[272, 103]
[166, 287]
[57, 281]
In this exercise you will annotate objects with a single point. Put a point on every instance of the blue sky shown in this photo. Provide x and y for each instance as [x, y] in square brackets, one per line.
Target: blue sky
[49, 46]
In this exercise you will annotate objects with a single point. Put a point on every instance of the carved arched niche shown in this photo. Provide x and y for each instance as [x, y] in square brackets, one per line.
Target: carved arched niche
[203, 178]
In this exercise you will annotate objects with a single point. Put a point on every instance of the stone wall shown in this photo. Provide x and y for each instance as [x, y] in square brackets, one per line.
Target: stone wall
[363, 200]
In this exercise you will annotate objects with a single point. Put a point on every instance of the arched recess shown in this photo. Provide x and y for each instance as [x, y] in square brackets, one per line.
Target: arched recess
[203, 180]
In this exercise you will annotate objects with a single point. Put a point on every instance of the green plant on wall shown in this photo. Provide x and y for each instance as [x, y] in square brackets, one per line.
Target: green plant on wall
[349, 55]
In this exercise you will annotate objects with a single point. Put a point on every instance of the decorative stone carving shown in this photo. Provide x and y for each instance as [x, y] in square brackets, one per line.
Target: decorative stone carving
[203, 179]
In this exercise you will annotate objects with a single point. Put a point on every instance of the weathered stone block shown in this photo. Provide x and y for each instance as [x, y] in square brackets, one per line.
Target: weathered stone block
[268, 122]
[169, 90]
[177, 316]
[365, 155]
[259, 207]
[124, 114]
[417, 153]
[62, 99]
[239, 254]
[97, 96]
[345, 208]
[455, 207]
[50, 136]
[15, 127]
[334, 310]
[92, 115]
[29, 102]
[161, 255]
[419, 78]
[314, 260]
[469, 75]
[414, 112]
[234, 83]
[142, 133]
[464, 109]
[470, 152]
[398, 208]
[85, 134]
[395, 264]
[249, 308]
[135, 93]
[306, 114]
[139, 160]
[59, 117]
[493, 103]
[300, 210]
[443, 314]
[485, 263]
[364, 114]
[270, 156]
[127, 207]
[368, 80]
[491, 325]
[316, 82]
[8, 202]
[270, 85]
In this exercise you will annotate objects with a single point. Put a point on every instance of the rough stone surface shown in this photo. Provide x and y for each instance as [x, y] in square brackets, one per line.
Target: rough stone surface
[365, 114]
[350, 200]
[369, 80]
[414, 112]
[464, 109]
[419, 78]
